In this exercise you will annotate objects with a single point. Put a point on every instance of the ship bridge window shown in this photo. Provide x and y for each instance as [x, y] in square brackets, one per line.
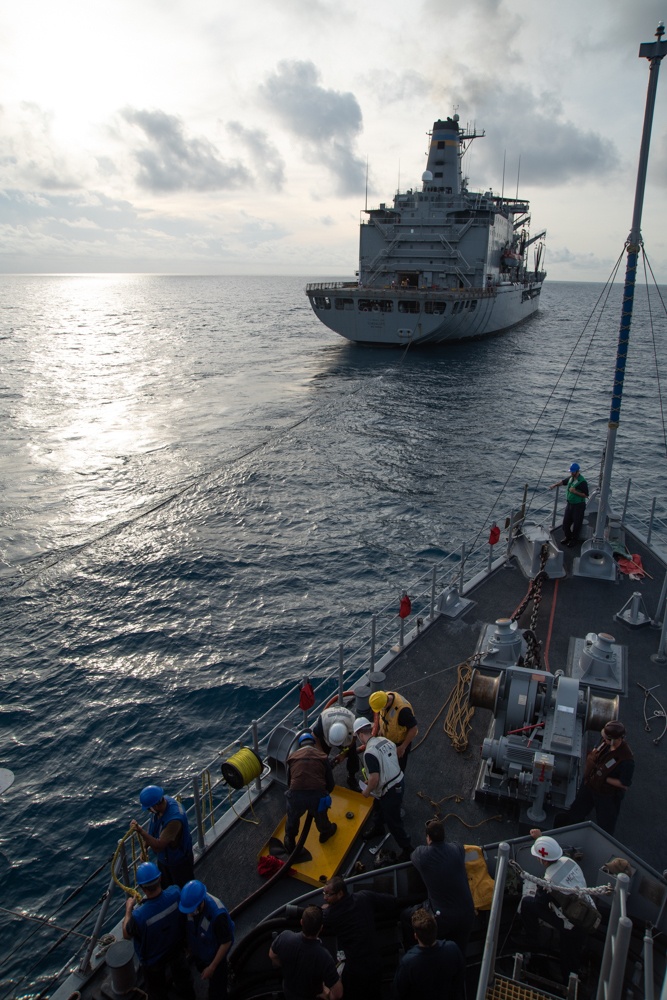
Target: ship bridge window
[322, 302]
[441, 144]
[438, 173]
[409, 306]
[435, 308]
[344, 303]
[473, 305]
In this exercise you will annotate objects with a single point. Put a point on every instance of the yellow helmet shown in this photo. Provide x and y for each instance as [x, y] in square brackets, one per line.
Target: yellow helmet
[378, 700]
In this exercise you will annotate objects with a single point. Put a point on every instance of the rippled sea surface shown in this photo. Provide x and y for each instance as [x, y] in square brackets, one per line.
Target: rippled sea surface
[202, 489]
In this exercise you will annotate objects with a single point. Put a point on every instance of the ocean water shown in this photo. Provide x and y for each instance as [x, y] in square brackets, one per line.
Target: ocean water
[202, 491]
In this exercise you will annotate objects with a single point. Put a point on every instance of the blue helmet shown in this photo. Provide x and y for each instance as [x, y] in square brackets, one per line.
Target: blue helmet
[305, 738]
[147, 873]
[192, 894]
[574, 467]
[150, 796]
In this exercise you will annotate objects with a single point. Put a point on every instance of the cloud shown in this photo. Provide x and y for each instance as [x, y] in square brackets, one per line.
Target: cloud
[553, 150]
[269, 164]
[29, 154]
[170, 161]
[326, 122]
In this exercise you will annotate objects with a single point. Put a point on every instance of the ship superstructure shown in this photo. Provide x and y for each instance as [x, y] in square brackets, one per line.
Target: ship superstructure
[441, 264]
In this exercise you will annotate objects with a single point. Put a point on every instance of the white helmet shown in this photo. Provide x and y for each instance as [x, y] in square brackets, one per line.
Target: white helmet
[338, 735]
[547, 849]
[360, 724]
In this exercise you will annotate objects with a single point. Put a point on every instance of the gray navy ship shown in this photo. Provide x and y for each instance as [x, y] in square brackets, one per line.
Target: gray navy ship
[442, 264]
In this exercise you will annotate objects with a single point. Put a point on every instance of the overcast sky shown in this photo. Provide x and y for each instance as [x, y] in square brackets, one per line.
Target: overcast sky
[205, 137]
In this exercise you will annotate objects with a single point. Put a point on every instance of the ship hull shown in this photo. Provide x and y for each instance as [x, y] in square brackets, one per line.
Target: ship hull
[399, 317]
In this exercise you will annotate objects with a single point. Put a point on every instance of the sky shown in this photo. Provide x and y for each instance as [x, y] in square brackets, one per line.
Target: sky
[205, 137]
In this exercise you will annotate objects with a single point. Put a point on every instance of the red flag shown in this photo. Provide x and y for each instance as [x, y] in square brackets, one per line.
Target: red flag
[307, 696]
[405, 608]
[494, 535]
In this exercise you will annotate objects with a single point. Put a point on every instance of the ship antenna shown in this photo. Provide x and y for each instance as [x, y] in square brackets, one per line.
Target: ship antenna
[518, 174]
[366, 199]
[502, 192]
[596, 549]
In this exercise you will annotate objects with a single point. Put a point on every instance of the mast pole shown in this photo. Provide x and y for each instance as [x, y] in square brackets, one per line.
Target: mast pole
[654, 52]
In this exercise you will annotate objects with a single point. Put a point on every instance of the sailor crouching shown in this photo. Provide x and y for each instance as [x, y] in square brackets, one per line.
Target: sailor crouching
[157, 928]
[385, 783]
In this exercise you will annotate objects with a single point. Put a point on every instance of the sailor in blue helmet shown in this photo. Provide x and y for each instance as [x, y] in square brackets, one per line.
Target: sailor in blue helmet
[209, 936]
[575, 504]
[310, 780]
[168, 835]
[157, 928]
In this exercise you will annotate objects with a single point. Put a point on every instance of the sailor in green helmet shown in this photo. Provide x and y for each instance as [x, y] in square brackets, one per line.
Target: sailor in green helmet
[575, 506]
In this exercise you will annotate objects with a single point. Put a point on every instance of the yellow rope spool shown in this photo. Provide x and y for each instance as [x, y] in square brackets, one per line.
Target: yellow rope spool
[241, 768]
[135, 840]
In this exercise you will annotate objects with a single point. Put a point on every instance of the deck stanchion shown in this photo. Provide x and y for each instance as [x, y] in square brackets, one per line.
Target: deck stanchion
[198, 814]
[493, 926]
[84, 965]
[649, 989]
[627, 500]
[255, 746]
[611, 945]
[650, 523]
[401, 634]
[463, 567]
[373, 627]
[554, 513]
[340, 674]
[431, 616]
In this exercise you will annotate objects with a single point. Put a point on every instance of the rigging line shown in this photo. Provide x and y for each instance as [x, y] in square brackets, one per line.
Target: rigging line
[655, 351]
[501, 492]
[49, 560]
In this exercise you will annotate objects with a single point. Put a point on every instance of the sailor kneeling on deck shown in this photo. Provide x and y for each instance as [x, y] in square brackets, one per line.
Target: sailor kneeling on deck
[310, 781]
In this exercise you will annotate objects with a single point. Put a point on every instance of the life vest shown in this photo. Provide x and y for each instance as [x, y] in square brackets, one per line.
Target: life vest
[307, 770]
[480, 882]
[174, 810]
[566, 874]
[337, 713]
[601, 764]
[201, 939]
[389, 726]
[158, 926]
[576, 482]
[384, 752]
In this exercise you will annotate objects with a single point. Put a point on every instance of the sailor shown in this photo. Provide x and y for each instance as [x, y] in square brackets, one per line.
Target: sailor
[395, 721]
[168, 835]
[384, 781]
[443, 871]
[575, 504]
[351, 917]
[432, 969]
[310, 781]
[607, 776]
[560, 872]
[158, 931]
[306, 964]
[209, 936]
[334, 730]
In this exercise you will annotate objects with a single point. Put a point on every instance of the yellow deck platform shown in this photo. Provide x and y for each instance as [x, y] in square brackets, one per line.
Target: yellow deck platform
[328, 858]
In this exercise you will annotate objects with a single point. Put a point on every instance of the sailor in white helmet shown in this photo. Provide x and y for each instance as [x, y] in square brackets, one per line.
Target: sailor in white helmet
[334, 731]
[384, 781]
[564, 873]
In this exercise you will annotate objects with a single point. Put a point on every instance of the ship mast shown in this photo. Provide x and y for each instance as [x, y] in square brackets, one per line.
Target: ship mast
[596, 554]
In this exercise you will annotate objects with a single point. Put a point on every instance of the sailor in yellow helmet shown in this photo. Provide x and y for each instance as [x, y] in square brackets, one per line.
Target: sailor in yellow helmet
[395, 721]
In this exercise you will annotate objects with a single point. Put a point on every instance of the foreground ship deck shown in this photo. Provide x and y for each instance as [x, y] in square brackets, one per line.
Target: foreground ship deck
[440, 781]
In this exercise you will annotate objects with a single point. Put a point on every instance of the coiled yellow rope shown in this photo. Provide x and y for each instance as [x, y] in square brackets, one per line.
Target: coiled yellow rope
[458, 723]
[137, 858]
